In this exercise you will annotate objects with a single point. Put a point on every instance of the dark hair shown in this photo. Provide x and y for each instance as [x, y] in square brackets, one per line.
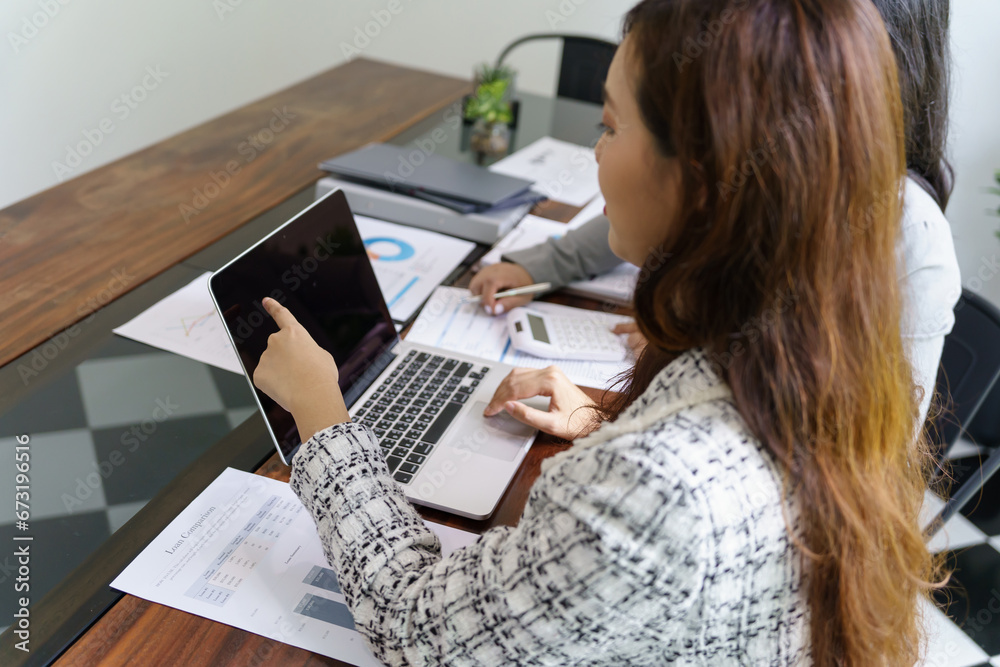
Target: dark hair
[918, 31]
[786, 122]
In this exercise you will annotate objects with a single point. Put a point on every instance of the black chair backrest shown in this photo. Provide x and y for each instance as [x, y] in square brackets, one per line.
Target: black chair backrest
[970, 366]
[985, 426]
[583, 67]
[967, 383]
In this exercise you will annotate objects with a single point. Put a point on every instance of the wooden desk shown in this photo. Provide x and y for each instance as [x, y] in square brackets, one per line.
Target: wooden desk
[66, 252]
[130, 212]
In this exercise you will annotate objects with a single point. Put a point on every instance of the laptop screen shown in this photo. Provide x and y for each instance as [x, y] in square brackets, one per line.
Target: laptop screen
[315, 265]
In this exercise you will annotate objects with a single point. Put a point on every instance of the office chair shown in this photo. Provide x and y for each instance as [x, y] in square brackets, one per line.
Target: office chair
[583, 68]
[968, 378]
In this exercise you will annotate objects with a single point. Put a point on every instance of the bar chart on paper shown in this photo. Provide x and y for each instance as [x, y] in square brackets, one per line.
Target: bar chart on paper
[246, 553]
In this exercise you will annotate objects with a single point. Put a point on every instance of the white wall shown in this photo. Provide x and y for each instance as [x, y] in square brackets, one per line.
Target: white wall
[63, 71]
[975, 142]
[59, 82]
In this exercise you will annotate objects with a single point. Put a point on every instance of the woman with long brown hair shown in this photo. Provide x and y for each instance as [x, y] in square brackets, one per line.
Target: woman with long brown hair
[928, 271]
[753, 496]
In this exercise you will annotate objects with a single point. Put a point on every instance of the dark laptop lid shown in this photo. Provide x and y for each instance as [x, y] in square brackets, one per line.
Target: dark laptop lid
[406, 168]
[317, 267]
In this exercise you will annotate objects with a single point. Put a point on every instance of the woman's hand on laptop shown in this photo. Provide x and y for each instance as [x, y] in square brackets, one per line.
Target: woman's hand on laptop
[564, 419]
[497, 277]
[299, 375]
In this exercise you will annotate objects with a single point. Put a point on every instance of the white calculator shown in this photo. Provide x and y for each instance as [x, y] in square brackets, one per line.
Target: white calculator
[564, 336]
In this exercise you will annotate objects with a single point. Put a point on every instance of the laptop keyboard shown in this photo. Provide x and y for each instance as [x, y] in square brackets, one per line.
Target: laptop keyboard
[412, 408]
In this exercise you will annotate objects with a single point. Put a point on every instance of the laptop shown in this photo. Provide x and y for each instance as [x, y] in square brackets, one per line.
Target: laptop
[424, 404]
[455, 184]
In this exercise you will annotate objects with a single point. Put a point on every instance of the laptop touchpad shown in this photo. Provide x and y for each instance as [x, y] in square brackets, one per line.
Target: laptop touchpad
[500, 436]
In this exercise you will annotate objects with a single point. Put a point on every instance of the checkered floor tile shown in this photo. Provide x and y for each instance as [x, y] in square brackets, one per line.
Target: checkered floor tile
[105, 438]
[965, 629]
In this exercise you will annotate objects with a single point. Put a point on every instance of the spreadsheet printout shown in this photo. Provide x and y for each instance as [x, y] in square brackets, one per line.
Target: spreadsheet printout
[246, 553]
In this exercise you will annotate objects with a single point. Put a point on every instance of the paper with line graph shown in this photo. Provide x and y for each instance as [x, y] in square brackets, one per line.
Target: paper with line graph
[246, 553]
[185, 323]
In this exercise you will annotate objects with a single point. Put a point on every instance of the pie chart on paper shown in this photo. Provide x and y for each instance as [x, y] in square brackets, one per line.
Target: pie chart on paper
[388, 249]
[409, 263]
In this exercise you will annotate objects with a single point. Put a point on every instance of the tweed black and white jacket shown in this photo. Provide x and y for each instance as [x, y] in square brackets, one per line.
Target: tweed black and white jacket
[660, 538]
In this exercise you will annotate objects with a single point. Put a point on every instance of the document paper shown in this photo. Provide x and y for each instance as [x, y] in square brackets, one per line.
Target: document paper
[409, 263]
[187, 324]
[560, 170]
[616, 285]
[447, 323]
[246, 553]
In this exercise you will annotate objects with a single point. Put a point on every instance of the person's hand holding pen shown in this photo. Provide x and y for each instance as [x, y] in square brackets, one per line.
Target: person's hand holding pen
[501, 276]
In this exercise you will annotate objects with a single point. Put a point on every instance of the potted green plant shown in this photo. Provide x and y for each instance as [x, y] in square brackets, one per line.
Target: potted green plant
[489, 110]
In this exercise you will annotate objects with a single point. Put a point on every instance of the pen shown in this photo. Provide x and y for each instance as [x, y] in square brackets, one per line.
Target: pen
[529, 289]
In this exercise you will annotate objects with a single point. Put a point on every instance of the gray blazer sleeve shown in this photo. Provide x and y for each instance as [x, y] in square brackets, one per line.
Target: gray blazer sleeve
[580, 254]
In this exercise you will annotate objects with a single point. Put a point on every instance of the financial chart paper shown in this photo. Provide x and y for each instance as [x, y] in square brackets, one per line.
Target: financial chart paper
[246, 553]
